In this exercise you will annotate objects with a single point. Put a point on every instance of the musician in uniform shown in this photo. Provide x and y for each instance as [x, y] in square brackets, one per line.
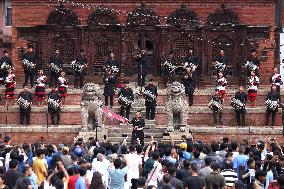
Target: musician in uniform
[40, 87]
[10, 83]
[191, 58]
[138, 128]
[109, 81]
[142, 65]
[222, 58]
[57, 62]
[217, 112]
[54, 107]
[189, 83]
[62, 84]
[241, 111]
[127, 93]
[25, 111]
[80, 75]
[252, 84]
[221, 84]
[30, 70]
[170, 67]
[275, 98]
[5, 64]
[150, 94]
[111, 62]
[254, 59]
[276, 79]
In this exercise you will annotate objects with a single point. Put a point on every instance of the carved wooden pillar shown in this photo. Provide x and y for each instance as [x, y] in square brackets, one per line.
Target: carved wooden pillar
[124, 51]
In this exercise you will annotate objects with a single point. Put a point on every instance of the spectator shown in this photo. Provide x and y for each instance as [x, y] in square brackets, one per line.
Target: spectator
[168, 153]
[207, 169]
[215, 180]
[240, 161]
[260, 177]
[65, 157]
[197, 161]
[74, 175]
[12, 175]
[74, 159]
[176, 183]
[25, 181]
[183, 173]
[101, 164]
[213, 155]
[223, 150]
[97, 182]
[39, 166]
[141, 183]
[3, 182]
[280, 181]
[134, 165]
[155, 174]
[235, 148]
[117, 175]
[194, 181]
[230, 175]
[81, 182]
[249, 176]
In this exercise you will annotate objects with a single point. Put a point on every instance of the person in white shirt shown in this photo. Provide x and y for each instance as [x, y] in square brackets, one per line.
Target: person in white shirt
[101, 165]
[134, 165]
[155, 174]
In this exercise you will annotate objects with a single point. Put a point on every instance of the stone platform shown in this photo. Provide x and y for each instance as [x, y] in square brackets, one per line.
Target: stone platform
[200, 120]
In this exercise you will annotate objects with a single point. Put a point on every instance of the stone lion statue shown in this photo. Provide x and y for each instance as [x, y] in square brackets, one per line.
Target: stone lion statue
[176, 104]
[90, 106]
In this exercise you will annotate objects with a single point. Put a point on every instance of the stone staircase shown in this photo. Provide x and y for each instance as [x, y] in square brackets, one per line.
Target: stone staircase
[200, 120]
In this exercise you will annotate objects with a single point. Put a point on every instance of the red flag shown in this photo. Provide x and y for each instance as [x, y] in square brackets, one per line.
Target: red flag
[112, 115]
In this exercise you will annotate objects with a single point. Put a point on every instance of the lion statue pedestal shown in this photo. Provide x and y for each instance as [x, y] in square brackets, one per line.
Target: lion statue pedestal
[176, 104]
[91, 104]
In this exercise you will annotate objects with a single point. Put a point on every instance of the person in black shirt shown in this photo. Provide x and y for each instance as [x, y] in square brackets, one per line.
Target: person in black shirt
[54, 109]
[4, 69]
[216, 111]
[30, 70]
[254, 59]
[109, 81]
[150, 99]
[222, 58]
[189, 84]
[25, 111]
[169, 68]
[138, 128]
[110, 63]
[241, 112]
[80, 75]
[58, 62]
[142, 65]
[194, 181]
[274, 96]
[126, 93]
[191, 58]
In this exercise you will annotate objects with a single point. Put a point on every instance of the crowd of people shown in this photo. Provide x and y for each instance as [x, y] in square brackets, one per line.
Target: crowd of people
[190, 164]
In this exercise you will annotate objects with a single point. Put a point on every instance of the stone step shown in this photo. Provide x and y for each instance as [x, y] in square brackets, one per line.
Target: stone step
[197, 115]
[201, 96]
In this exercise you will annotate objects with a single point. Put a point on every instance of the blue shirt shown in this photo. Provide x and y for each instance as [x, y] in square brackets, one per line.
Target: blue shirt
[33, 179]
[170, 159]
[80, 183]
[186, 155]
[117, 178]
[240, 160]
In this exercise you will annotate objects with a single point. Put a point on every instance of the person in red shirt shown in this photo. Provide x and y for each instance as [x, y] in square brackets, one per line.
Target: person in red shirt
[73, 177]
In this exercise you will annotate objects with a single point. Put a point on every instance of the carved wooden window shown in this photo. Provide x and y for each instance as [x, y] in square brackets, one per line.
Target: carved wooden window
[66, 46]
[102, 49]
[223, 42]
[181, 46]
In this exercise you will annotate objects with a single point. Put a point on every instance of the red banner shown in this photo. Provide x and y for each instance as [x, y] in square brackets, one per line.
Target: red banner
[113, 115]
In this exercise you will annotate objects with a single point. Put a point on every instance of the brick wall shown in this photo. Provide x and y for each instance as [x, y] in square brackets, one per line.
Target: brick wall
[252, 12]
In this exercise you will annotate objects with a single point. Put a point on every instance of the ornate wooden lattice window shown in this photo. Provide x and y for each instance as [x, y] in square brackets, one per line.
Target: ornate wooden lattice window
[223, 16]
[66, 46]
[143, 15]
[181, 45]
[102, 16]
[183, 17]
[63, 16]
[102, 49]
[223, 42]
